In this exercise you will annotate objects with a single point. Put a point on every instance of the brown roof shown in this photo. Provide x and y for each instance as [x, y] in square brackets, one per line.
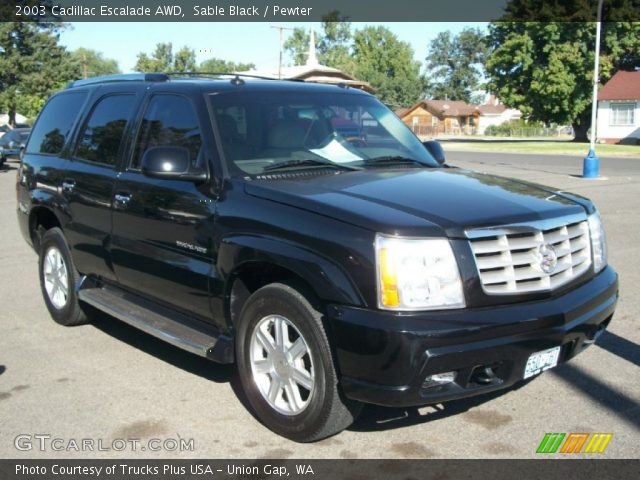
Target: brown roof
[450, 108]
[491, 109]
[622, 86]
[401, 111]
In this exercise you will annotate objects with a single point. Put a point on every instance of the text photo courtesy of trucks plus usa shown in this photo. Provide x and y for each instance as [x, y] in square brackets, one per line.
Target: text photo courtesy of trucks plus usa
[297, 239]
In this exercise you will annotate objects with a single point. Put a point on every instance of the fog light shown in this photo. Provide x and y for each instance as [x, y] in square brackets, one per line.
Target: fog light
[439, 379]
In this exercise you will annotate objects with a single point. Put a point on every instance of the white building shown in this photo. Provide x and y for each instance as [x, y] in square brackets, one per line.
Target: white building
[313, 71]
[619, 109]
[495, 113]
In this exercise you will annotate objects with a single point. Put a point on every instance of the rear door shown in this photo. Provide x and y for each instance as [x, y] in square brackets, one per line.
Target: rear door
[89, 180]
[162, 229]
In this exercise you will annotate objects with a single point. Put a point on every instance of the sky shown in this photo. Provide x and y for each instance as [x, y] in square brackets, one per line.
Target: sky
[254, 42]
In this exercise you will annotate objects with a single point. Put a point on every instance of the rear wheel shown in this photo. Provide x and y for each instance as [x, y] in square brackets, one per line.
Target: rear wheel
[58, 278]
[286, 366]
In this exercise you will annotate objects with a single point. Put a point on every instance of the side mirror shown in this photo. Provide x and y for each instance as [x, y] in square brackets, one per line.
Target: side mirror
[436, 151]
[171, 163]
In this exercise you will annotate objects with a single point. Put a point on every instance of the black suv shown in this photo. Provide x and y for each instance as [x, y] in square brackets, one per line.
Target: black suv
[235, 219]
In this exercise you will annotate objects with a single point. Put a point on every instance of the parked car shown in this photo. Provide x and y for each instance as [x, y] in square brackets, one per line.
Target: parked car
[12, 144]
[222, 217]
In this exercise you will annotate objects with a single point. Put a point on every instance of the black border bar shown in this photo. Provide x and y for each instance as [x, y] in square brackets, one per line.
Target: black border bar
[123, 469]
[316, 10]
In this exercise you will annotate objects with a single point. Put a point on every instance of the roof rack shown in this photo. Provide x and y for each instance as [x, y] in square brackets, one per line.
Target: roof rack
[123, 77]
[233, 74]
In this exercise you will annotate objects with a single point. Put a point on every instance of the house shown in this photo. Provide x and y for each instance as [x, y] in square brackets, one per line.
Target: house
[313, 71]
[495, 113]
[449, 117]
[618, 118]
[435, 117]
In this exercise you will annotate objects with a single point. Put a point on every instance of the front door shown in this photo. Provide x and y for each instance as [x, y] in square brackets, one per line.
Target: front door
[162, 229]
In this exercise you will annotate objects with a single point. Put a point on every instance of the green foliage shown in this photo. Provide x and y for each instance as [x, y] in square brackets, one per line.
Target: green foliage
[387, 63]
[89, 63]
[520, 128]
[332, 44]
[373, 54]
[224, 66]
[546, 69]
[160, 61]
[297, 45]
[184, 60]
[455, 65]
[32, 66]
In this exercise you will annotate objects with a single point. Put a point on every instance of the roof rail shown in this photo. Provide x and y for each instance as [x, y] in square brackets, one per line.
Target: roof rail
[123, 77]
[230, 74]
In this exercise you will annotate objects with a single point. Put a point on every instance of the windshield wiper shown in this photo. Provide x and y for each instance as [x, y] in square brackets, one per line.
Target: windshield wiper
[307, 162]
[393, 160]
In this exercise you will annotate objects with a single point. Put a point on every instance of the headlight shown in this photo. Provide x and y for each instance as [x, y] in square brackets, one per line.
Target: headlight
[598, 242]
[417, 274]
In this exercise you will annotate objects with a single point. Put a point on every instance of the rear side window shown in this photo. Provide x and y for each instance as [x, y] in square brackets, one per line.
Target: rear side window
[54, 124]
[170, 120]
[102, 134]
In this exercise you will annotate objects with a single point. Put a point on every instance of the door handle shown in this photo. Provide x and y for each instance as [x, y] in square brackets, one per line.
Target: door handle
[68, 185]
[122, 199]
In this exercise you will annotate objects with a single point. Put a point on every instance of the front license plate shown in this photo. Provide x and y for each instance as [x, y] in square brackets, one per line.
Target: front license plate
[541, 361]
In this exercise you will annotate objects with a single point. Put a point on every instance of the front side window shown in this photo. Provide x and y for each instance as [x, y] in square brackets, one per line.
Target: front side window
[102, 134]
[169, 121]
[54, 124]
[622, 114]
[259, 131]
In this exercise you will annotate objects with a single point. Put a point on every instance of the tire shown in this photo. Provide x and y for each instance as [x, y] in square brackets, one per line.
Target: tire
[58, 278]
[318, 410]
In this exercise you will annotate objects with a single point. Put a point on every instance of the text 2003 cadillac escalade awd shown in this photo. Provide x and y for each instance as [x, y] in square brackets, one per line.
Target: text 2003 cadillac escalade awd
[238, 220]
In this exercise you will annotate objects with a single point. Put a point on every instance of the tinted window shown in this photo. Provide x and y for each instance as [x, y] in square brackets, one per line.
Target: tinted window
[102, 135]
[55, 122]
[170, 120]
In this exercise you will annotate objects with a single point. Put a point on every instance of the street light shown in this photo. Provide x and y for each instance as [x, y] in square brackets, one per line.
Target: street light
[591, 163]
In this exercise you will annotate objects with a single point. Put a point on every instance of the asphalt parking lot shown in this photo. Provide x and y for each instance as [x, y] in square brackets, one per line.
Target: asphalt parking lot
[108, 381]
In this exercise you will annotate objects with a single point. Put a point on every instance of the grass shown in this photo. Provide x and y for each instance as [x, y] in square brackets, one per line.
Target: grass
[541, 147]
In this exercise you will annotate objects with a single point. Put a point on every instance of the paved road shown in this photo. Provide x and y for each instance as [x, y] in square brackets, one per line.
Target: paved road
[108, 381]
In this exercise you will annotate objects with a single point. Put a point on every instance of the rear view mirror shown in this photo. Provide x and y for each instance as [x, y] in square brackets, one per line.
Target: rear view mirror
[170, 163]
[436, 151]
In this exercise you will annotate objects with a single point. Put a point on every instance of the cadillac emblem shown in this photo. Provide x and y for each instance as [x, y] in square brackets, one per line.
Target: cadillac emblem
[547, 258]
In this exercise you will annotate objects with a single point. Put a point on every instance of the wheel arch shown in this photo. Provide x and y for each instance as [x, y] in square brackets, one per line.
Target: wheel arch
[248, 263]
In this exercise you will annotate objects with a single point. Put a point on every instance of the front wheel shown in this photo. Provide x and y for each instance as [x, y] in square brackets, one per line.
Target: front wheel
[286, 366]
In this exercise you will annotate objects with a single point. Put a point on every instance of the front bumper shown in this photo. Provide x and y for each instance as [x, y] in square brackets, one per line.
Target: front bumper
[384, 357]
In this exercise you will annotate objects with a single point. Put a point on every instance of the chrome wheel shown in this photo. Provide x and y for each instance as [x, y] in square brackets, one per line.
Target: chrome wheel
[281, 365]
[56, 278]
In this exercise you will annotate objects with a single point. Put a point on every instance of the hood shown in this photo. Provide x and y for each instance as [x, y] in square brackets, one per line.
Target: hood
[419, 201]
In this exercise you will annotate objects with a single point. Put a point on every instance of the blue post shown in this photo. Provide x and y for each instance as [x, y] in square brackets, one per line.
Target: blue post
[591, 165]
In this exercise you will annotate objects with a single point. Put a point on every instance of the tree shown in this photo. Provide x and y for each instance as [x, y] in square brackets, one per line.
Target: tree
[224, 66]
[184, 60]
[388, 64]
[455, 65]
[90, 63]
[160, 61]
[332, 43]
[32, 66]
[546, 69]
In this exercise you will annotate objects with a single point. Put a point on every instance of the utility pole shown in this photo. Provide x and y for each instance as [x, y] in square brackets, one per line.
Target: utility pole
[591, 163]
[281, 47]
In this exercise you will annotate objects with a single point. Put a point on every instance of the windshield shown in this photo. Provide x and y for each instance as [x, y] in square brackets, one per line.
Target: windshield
[264, 131]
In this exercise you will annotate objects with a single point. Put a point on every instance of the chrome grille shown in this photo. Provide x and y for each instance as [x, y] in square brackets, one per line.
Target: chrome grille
[520, 259]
